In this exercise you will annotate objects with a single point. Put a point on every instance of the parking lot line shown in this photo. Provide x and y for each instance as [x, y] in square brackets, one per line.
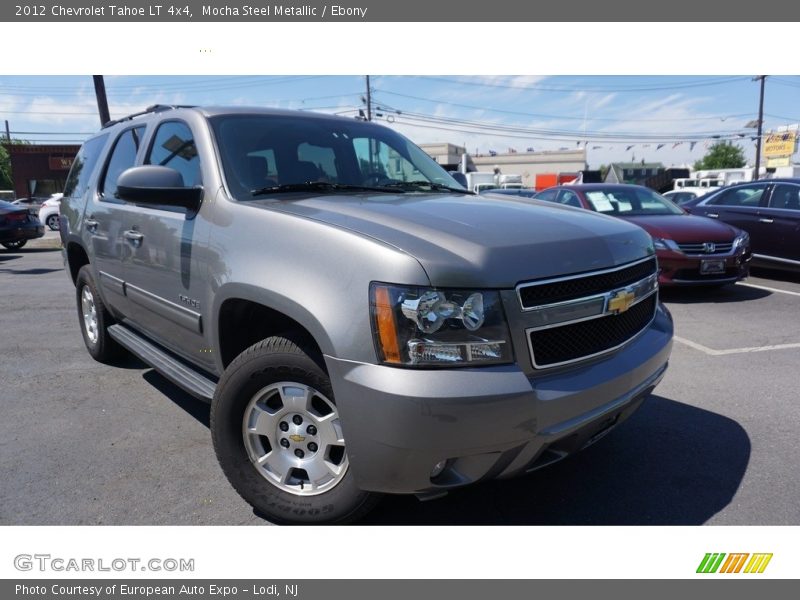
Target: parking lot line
[713, 352]
[770, 289]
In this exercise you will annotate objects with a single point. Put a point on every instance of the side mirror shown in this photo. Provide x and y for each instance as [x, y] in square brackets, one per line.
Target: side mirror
[460, 178]
[154, 184]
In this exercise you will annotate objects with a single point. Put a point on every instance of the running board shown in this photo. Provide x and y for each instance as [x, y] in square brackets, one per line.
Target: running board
[173, 369]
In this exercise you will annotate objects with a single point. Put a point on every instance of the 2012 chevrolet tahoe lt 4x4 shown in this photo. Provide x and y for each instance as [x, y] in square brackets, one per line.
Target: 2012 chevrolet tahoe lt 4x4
[360, 323]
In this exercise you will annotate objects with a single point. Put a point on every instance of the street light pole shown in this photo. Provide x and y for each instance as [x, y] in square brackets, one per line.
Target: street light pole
[102, 101]
[760, 124]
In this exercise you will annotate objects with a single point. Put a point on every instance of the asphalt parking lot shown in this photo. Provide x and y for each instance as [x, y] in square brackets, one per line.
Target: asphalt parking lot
[84, 443]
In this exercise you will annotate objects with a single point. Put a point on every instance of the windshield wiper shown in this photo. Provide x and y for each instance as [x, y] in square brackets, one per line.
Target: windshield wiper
[436, 187]
[319, 186]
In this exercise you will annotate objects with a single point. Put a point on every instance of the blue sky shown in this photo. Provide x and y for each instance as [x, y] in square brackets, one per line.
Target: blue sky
[618, 118]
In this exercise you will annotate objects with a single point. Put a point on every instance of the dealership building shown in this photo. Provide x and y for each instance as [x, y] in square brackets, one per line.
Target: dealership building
[38, 169]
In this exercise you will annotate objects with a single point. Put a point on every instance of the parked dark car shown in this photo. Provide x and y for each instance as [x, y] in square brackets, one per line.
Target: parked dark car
[17, 226]
[523, 192]
[691, 250]
[769, 210]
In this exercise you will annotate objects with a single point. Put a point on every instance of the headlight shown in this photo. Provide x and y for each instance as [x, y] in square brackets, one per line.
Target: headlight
[742, 240]
[416, 326]
[665, 244]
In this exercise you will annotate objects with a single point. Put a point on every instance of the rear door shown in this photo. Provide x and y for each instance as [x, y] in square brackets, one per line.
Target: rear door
[780, 221]
[105, 217]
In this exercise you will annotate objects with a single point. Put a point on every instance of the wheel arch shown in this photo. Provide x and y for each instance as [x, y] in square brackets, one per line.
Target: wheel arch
[245, 315]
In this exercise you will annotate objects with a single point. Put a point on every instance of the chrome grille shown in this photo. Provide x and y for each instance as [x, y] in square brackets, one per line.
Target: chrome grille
[706, 247]
[604, 311]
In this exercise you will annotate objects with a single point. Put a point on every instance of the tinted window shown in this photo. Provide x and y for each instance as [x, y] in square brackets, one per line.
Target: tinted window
[548, 195]
[83, 165]
[743, 196]
[785, 196]
[122, 157]
[569, 198]
[174, 147]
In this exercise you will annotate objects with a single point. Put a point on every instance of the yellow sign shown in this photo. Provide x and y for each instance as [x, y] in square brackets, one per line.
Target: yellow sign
[780, 161]
[780, 144]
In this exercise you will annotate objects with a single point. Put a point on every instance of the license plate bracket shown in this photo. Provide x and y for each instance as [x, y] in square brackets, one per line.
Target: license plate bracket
[710, 267]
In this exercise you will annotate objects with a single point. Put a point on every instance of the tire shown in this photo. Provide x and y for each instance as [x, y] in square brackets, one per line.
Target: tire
[94, 319]
[53, 223]
[271, 392]
[15, 245]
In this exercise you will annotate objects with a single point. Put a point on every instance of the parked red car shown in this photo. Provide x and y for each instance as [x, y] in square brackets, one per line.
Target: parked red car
[691, 250]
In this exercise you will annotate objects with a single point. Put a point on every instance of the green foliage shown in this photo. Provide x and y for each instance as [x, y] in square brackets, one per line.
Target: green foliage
[722, 155]
[6, 181]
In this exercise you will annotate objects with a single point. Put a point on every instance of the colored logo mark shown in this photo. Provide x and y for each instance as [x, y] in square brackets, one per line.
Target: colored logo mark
[719, 562]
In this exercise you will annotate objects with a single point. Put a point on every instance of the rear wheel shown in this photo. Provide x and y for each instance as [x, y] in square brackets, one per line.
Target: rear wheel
[94, 318]
[52, 222]
[15, 245]
[278, 437]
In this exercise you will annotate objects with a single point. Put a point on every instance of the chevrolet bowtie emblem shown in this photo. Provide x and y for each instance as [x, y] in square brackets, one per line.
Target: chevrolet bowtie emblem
[296, 438]
[621, 301]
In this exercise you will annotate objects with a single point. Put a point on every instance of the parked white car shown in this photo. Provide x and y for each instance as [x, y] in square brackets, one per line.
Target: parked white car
[48, 213]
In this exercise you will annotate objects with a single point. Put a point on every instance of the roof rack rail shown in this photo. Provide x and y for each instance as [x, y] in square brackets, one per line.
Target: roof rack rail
[155, 108]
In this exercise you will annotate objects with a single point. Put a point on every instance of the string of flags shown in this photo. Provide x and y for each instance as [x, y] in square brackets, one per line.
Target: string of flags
[706, 144]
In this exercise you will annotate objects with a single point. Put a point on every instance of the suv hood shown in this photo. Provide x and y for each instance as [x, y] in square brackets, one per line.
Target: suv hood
[469, 241]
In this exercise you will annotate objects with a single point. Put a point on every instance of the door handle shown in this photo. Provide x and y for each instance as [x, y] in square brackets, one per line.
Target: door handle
[713, 215]
[134, 236]
[765, 220]
[91, 225]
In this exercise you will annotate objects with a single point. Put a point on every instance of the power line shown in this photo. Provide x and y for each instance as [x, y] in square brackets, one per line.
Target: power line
[560, 117]
[554, 88]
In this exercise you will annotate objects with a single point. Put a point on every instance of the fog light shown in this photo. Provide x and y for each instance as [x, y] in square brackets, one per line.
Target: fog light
[438, 468]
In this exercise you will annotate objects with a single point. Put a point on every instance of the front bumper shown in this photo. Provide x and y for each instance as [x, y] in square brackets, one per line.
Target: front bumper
[676, 268]
[490, 422]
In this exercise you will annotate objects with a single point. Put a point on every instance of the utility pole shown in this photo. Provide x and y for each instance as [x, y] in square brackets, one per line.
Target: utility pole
[369, 101]
[102, 101]
[760, 125]
[8, 132]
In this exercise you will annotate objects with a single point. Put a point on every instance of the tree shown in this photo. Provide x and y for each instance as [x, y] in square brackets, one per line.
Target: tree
[6, 181]
[722, 155]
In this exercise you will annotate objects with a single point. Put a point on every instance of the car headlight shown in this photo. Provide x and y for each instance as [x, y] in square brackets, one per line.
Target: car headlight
[665, 244]
[417, 326]
[742, 240]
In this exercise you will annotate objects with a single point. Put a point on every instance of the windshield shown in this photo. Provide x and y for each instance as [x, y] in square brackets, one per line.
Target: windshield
[269, 154]
[631, 202]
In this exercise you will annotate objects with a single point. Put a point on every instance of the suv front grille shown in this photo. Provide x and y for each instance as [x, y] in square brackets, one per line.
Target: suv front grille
[703, 248]
[568, 343]
[581, 286]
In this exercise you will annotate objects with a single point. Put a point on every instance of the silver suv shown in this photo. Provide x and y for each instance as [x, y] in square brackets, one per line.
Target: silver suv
[360, 323]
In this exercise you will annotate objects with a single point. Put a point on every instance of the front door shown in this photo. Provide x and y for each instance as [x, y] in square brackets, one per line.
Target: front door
[166, 274]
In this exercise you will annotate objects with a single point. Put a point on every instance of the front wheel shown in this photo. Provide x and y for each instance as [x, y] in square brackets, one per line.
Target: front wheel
[278, 437]
[15, 245]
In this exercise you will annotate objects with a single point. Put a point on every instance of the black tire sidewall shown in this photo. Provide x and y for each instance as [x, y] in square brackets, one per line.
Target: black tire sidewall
[104, 349]
[261, 365]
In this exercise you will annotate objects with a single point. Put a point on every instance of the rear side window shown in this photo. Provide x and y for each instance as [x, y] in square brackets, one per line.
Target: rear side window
[785, 196]
[569, 198]
[122, 157]
[82, 167]
[174, 147]
[549, 195]
[743, 196]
